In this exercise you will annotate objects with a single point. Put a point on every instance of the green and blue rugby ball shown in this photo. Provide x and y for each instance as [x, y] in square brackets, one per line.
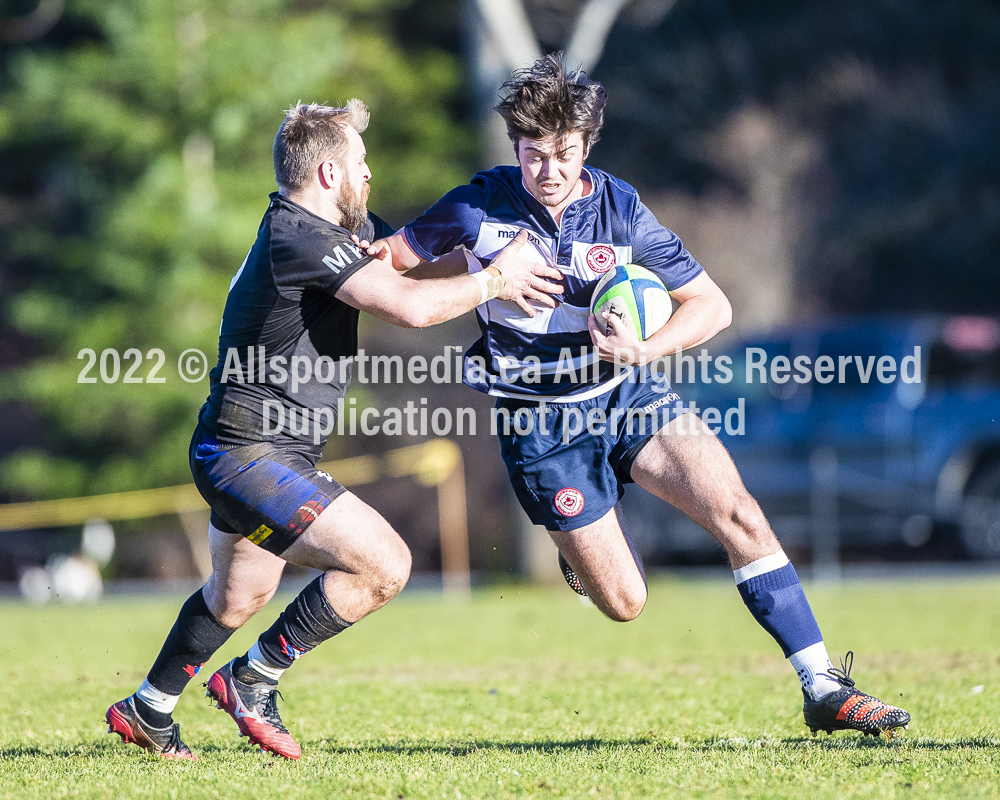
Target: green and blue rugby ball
[634, 295]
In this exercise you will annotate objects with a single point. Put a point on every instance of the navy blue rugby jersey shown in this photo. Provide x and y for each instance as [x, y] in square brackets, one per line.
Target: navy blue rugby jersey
[281, 321]
[550, 355]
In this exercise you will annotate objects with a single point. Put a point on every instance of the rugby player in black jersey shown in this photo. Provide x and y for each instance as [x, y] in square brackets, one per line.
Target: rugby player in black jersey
[293, 307]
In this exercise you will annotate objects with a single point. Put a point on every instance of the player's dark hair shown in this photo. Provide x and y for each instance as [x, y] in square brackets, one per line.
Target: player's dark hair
[311, 134]
[546, 101]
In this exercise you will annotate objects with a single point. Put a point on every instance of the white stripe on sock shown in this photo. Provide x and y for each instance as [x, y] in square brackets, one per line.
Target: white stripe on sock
[760, 566]
[155, 699]
[257, 662]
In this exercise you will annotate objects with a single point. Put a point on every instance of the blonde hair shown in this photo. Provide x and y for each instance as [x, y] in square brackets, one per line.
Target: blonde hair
[311, 134]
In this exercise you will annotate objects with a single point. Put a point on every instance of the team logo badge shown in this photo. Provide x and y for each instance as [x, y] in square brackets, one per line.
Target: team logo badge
[307, 512]
[290, 649]
[600, 258]
[569, 502]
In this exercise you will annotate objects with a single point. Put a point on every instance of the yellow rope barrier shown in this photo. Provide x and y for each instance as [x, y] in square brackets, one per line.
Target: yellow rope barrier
[434, 463]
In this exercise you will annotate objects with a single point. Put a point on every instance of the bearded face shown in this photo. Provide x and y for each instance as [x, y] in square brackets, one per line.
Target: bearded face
[353, 206]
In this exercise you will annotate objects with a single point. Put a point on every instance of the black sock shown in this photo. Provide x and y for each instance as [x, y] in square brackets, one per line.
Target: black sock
[193, 640]
[307, 621]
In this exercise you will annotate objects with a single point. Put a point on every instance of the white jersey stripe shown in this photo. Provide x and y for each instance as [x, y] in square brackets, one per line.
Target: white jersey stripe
[597, 391]
[564, 318]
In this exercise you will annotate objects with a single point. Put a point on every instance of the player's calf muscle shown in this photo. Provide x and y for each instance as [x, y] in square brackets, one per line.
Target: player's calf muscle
[745, 531]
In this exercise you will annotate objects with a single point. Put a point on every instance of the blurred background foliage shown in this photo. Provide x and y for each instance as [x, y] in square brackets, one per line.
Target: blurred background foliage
[135, 142]
[135, 136]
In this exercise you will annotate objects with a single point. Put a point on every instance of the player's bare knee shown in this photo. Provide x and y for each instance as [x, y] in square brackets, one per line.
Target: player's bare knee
[233, 606]
[386, 588]
[626, 605]
[391, 577]
[233, 613]
[399, 560]
[624, 612]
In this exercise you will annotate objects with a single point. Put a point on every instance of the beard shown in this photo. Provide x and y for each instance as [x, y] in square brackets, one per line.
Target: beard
[353, 207]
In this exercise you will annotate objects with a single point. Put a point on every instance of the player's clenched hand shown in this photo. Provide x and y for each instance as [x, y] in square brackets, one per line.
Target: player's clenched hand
[615, 342]
[525, 281]
[379, 249]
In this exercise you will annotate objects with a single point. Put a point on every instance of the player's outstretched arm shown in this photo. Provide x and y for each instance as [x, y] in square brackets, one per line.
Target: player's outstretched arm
[458, 262]
[405, 260]
[381, 290]
[704, 310]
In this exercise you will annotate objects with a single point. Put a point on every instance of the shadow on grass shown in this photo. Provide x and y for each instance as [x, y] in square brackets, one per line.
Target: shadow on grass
[479, 745]
[843, 742]
[215, 750]
[83, 750]
[646, 742]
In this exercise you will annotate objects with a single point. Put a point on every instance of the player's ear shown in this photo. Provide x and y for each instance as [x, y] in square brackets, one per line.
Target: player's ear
[329, 174]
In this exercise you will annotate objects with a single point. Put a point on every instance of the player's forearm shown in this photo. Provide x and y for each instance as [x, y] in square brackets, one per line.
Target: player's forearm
[448, 266]
[696, 321]
[433, 302]
[403, 257]
[420, 304]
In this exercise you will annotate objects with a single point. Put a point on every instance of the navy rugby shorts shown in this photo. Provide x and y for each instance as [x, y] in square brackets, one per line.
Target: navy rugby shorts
[568, 465]
[268, 492]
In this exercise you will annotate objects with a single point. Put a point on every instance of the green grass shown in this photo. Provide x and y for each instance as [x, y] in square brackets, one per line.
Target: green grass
[527, 693]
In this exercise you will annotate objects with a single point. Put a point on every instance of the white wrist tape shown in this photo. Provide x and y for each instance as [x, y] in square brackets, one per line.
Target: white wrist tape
[491, 282]
[484, 285]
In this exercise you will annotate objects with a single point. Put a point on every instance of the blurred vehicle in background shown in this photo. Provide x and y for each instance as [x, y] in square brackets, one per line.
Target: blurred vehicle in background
[857, 467]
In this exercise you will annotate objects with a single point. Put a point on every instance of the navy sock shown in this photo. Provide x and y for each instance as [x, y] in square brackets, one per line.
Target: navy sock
[308, 621]
[777, 602]
[193, 639]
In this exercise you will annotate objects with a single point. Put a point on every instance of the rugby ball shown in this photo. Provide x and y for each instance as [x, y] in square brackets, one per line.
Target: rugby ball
[636, 296]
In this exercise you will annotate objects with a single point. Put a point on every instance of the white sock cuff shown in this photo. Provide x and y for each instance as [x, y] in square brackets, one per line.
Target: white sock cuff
[760, 566]
[155, 699]
[810, 654]
[257, 662]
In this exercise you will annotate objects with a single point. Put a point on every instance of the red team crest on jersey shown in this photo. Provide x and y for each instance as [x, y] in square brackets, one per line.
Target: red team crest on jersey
[569, 502]
[600, 258]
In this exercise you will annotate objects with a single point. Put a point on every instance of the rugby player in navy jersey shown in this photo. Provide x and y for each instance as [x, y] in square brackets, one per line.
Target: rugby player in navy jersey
[295, 301]
[584, 221]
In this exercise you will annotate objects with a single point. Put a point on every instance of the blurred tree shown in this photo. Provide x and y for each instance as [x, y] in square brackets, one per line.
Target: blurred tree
[135, 157]
[898, 96]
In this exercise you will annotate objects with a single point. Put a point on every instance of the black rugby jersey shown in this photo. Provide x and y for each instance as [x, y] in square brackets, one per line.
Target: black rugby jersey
[285, 340]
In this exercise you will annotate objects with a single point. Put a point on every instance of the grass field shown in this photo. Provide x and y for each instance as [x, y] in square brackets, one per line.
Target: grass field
[525, 692]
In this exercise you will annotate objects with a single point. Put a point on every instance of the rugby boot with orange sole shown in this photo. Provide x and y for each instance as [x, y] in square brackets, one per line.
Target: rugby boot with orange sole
[848, 709]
